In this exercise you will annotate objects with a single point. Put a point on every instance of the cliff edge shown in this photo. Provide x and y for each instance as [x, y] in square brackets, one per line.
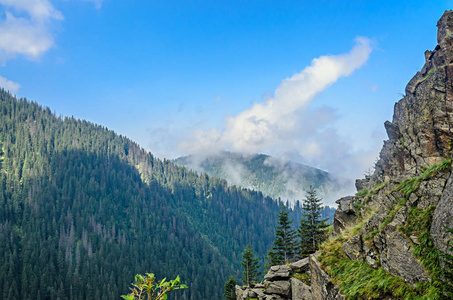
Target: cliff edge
[389, 237]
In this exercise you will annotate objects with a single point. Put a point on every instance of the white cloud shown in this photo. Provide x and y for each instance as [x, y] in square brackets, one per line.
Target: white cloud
[25, 28]
[286, 122]
[9, 85]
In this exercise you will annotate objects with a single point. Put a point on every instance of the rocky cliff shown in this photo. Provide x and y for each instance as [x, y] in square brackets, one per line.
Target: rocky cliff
[396, 222]
[390, 235]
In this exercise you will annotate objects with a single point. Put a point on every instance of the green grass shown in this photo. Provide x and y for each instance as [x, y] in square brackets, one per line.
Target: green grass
[366, 194]
[304, 277]
[362, 193]
[410, 185]
[358, 280]
[371, 235]
[419, 224]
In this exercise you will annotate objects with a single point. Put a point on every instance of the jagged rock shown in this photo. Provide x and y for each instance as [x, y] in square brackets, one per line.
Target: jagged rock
[321, 286]
[361, 184]
[345, 214]
[300, 266]
[281, 272]
[430, 192]
[420, 132]
[396, 254]
[281, 288]
[252, 294]
[443, 217]
[393, 132]
[354, 248]
[299, 290]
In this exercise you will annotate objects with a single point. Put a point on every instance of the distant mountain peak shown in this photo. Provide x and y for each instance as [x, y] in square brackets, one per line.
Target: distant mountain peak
[274, 177]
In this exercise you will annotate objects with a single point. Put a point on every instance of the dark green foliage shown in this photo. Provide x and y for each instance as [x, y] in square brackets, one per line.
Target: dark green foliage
[447, 274]
[312, 229]
[284, 246]
[82, 210]
[251, 267]
[230, 289]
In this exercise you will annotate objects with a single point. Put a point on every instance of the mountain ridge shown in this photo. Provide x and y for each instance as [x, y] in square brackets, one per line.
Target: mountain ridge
[274, 177]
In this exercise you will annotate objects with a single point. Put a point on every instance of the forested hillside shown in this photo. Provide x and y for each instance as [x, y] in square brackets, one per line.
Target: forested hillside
[273, 177]
[82, 210]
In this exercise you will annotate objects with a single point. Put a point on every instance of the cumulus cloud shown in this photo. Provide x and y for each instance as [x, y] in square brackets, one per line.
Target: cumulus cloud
[261, 126]
[9, 85]
[285, 122]
[25, 28]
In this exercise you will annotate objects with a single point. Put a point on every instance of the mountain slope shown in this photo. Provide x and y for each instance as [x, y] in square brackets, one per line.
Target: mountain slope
[82, 210]
[391, 235]
[273, 177]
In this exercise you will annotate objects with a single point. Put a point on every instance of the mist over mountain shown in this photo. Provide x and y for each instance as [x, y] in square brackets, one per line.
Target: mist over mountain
[276, 178]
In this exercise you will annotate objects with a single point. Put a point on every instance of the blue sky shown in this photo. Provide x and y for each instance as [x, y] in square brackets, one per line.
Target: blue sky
[199, 76]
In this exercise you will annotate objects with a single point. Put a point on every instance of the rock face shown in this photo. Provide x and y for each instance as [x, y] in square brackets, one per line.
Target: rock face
[409, 195]
[420, 133]
[278, 273]
[405, 180]
[280, 283]
[443, 217]
[345, 215]
[300, 290]
[321, 285]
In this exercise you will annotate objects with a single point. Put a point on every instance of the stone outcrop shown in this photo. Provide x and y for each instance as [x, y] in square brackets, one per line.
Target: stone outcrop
[420, 133]
[412, 182]
[278, 273]
[301, 266]
[300, 290]
[420, 136]
[321, 285]
[345, 215]
[443, 217]
[280, 283]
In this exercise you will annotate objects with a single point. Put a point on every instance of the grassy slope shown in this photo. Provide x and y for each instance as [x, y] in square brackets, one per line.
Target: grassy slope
[358, 280]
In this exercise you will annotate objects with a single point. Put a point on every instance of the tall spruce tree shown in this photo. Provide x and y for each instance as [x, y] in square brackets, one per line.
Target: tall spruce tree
[230, 289]
[284, 246]
[312, 229]
[250, 265]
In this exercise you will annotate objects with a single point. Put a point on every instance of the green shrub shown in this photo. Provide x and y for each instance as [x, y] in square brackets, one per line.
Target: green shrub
[362, 193]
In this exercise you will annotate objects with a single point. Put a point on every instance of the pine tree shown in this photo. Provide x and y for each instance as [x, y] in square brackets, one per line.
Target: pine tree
[283, 249]
[230, 289]
[312, 229]
[251, 266]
